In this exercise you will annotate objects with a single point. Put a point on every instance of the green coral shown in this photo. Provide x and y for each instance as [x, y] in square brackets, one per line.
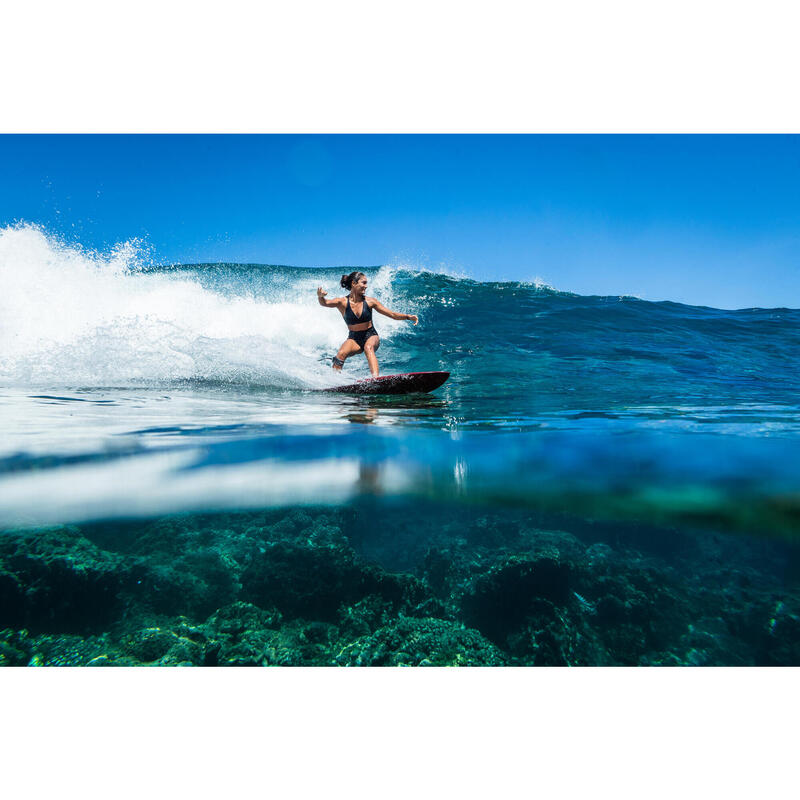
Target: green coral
[421, 642]
[326, 587]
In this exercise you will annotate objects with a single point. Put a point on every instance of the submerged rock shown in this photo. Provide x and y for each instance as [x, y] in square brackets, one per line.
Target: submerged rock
[508, 594]
[313, 582]
[14, 648]
[18, 648]
[164, 647]
[421, 642]
[242, 634]
[57, 581]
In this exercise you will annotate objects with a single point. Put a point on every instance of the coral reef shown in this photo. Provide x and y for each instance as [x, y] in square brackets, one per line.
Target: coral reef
[392, 586]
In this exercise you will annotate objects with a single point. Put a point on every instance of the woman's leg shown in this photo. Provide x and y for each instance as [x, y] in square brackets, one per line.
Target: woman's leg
[349, 348]
[370, 346]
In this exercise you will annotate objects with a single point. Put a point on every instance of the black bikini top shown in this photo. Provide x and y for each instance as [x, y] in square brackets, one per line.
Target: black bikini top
[350, 317]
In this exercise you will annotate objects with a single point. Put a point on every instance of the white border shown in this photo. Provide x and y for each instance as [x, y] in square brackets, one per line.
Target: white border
[380, 732]
[419, 66]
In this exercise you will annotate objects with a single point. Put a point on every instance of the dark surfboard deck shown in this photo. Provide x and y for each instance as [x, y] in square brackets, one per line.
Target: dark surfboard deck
[405, 383]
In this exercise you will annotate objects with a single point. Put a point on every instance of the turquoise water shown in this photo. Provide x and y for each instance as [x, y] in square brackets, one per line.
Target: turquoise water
[602, 480]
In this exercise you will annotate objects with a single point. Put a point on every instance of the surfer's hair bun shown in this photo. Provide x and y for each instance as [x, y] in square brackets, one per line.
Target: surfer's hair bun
[347, 280]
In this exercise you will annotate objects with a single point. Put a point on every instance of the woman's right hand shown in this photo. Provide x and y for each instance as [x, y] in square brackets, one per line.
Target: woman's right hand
[321, 292]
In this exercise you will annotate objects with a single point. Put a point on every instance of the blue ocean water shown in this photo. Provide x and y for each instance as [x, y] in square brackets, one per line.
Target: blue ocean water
[198, 381]
[132, 391]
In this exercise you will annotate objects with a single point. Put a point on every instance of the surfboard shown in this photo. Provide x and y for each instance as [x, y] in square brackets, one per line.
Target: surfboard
[404, 383]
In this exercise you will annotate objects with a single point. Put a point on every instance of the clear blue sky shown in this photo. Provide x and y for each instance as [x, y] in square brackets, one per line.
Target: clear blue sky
[708, 220]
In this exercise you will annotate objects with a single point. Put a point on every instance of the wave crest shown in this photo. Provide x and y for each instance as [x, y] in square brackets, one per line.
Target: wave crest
[72, 316]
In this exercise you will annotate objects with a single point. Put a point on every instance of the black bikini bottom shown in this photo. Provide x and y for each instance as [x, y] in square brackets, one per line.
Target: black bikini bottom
[360, 337]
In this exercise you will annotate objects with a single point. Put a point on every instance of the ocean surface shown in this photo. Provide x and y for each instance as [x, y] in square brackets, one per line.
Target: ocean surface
[602, 480]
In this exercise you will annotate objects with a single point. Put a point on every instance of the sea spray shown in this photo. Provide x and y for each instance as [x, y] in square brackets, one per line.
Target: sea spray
[73, 317]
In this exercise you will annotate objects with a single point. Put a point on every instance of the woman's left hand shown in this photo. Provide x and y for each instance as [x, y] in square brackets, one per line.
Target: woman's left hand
[413, 318]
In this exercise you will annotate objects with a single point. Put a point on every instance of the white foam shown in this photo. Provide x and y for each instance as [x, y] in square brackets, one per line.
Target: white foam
[74, 317]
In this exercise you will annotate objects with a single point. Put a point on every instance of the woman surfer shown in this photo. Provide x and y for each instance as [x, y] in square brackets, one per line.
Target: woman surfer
[363, 336]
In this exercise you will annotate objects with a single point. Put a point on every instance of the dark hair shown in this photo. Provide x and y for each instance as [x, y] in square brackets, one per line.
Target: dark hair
[347, 280]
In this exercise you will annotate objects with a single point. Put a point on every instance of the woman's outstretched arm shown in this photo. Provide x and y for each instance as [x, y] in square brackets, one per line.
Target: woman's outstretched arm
[381, 309]
[327, 303]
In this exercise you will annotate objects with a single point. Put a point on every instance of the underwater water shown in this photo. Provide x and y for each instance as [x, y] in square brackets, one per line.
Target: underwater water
[602, 480]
